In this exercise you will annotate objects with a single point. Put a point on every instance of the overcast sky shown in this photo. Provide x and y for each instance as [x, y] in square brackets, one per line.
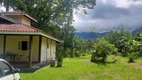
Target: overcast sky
[108, 14]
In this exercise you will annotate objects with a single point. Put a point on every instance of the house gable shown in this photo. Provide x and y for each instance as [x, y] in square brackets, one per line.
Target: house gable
[22, 19]
[20, 16]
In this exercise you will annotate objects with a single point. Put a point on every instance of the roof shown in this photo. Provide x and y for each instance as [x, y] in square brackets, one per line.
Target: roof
[18, 13]
[17, 28]
[9, 19]
[23, 29]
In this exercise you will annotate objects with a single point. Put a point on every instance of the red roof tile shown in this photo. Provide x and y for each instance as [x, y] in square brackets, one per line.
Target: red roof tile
[24, 28]
[17, 28]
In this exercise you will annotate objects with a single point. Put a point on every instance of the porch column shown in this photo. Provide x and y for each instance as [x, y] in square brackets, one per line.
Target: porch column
[4, 46]
[40, 42]
[30, 51]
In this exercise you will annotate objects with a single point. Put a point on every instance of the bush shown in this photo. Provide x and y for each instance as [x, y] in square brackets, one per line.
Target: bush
[133, 56]
[133, 51]
[102, 49]
[52, 64]
[60, 56]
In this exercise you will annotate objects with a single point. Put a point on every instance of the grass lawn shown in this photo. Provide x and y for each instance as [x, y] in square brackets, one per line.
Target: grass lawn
[83, 69]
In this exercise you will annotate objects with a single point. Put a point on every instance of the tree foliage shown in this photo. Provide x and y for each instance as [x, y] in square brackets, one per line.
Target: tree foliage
[124, 41]
[54, 17]
[80, 47]
[67, 34]
[115, 35]
[102, 49]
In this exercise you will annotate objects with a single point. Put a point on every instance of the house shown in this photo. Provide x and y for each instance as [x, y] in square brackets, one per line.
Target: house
[24, 45]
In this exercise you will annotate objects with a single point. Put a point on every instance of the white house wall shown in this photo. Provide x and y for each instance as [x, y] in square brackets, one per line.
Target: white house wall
[12, 46]
[48, 49]
[43, 49]
[53, 47]
[35, 48]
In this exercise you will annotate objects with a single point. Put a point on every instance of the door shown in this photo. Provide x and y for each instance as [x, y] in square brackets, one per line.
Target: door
[6, 71]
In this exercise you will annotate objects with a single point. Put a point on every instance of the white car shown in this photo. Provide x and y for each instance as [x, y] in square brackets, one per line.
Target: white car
[7, 72]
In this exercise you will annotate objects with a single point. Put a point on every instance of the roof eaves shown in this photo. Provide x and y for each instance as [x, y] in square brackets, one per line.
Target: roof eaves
[32, 33]
[20, 33]
[30, 17]
[45, 35]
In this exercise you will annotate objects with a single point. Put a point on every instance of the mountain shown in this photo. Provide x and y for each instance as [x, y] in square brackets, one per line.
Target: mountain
[94, 35]
[137, 30]
[90, 35]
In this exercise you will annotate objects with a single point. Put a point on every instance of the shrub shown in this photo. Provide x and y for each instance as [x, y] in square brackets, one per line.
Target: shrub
[132, 56]
[133, 51]
[102, 49]
[59, 55]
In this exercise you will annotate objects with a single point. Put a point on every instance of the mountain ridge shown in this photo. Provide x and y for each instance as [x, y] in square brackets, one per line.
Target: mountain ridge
[94, 35]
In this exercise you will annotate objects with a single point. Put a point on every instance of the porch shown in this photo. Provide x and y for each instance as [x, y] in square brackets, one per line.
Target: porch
[26, 51]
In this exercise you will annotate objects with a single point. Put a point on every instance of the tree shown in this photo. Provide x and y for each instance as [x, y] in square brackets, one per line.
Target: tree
[102, 49]
[49, 12]
[133, 52]
[80, 46]
[67, 34]
[54, 16]
[115, 35]
[123, 40]
[59, 55]
[138, 36]
[7, 4]
[120, 38]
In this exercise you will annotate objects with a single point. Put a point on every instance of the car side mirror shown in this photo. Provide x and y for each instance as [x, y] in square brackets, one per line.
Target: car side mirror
[16, 70]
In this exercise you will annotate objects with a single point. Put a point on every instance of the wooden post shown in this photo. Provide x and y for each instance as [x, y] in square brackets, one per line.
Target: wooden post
[40, 42]
[30, 51]
[4, 46]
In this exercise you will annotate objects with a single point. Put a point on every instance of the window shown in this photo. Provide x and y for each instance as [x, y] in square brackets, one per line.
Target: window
[24, 45]
[47, 45]
[5, 69]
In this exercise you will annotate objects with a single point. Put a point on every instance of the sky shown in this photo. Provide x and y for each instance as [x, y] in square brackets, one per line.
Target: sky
[109, 14]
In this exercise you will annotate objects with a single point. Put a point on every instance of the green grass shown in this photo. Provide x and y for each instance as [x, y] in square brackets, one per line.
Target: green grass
[82, 69]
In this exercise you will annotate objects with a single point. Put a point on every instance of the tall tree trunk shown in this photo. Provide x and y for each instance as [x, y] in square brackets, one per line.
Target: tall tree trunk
[7, 5]
[7, 8]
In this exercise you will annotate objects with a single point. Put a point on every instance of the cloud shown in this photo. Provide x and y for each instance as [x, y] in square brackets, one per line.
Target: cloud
[109, 14]
[126, 3]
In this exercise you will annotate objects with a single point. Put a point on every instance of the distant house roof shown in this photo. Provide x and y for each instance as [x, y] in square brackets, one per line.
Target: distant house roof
[18, 13]
[24, 30]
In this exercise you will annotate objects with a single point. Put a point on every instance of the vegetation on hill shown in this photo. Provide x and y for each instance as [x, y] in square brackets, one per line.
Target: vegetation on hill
[123, 42]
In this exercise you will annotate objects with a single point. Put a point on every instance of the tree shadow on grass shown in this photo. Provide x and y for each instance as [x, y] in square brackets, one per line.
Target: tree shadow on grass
[112, 62]
[28, 70]
[105, 63]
